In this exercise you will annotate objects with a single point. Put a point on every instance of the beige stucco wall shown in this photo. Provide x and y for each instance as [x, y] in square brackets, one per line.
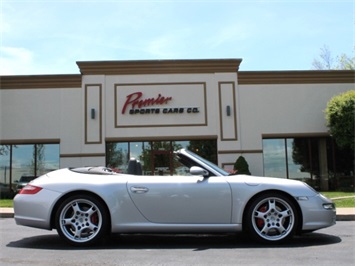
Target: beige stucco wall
[280, 109]
[63, 114]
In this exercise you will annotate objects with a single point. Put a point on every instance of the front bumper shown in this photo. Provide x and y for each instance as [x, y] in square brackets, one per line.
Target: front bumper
[317, 212]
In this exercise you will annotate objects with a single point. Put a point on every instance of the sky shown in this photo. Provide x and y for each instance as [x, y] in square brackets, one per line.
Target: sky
[50, 36]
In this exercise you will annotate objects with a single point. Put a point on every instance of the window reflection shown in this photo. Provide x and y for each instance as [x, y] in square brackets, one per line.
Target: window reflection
[316, 161]
[5, 188]
[298, 162]
[156, 156]
[47, 158]
[117, 156]
[136, 149]
[274, 158]
[23, 161]
[26, 160]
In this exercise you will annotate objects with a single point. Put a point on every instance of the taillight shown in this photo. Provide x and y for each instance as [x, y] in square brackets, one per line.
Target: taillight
[30, 189]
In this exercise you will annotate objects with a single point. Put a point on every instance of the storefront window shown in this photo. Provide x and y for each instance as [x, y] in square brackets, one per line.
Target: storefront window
[117, 156]
[5, 188]
[30, 160]
[23, 161]
[298, 162]
[293, 158]
[47, 158]
[206, 149]
[274, 158]
[341, 168]
[316, 161]
[136, 149]
[158, 159]
[181, 145]
[156, 156]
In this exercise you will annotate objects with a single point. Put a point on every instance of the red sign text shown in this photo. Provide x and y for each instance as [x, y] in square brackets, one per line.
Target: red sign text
[134, 100]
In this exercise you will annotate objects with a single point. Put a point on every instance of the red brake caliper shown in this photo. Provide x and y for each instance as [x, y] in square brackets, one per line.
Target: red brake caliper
[260, 222]
[94, 219]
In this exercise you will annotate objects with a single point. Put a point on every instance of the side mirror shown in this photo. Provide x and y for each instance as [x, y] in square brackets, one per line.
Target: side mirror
[196, 170]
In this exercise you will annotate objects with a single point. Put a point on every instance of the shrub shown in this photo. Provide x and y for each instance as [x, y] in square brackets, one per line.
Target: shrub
[241, 166]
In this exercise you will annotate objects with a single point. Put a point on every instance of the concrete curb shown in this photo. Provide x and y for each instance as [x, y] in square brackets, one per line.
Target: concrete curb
[343, 214]
[6, 213]
[348, 217]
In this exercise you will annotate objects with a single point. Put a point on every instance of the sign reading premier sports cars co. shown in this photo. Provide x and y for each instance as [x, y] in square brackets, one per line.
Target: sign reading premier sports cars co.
[161, 104]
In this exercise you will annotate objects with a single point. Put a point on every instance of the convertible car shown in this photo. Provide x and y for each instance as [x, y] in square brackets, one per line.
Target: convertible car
[86, 204]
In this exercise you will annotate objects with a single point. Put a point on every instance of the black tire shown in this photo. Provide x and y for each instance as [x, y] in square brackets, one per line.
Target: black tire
[81, 220]
[271, 218]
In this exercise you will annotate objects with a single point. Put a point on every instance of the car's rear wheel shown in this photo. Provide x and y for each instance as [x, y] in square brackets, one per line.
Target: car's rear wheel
[271, 218]
[81, 220]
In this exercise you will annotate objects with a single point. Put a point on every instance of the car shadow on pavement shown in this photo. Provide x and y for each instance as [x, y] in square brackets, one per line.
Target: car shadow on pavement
[194, 242]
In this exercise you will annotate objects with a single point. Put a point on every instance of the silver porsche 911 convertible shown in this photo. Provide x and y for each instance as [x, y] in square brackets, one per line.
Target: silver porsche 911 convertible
[86, 204]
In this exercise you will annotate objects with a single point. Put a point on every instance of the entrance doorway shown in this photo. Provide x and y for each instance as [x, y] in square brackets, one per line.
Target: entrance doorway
[162, 162]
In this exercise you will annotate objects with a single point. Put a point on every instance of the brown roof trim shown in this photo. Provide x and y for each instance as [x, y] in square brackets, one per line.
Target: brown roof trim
[79, 155]
[294, 135]
[239, 151]
[296, 77]
[28, 141]
[167, 138]
[158, 66]
[40, 81]
[177, 66]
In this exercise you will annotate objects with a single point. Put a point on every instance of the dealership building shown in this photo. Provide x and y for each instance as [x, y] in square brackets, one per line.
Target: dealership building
[115, 110]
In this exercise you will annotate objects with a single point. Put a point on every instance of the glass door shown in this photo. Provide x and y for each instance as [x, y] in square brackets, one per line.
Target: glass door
[162, 162]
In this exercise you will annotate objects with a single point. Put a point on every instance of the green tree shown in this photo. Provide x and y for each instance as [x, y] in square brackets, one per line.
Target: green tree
[241, 166]
[115, 156]
[345, 62]
[205, 148]
[4, 149]
[39, 152]
[340, 116]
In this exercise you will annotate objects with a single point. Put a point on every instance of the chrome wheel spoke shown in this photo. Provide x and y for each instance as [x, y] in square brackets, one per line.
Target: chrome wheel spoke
[76, 207]
[260, 215]
[67, 221]
[272, 205]
[265, 229]
[284, 214]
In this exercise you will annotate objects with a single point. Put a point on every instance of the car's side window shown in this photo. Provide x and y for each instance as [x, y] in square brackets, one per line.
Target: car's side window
[180, 168]
[182, 165]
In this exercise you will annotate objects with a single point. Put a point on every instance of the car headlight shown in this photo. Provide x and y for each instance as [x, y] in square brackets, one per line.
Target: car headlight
[329, 206]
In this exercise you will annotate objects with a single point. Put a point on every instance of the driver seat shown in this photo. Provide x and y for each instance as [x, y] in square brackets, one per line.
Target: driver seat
[134, 167]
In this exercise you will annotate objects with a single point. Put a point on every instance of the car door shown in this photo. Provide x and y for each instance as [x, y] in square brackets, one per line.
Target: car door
[182, 199]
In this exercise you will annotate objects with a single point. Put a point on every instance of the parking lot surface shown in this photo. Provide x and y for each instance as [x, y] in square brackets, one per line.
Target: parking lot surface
[28, 246]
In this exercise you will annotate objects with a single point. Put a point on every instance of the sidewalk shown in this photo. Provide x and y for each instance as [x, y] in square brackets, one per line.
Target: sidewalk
[343, 214]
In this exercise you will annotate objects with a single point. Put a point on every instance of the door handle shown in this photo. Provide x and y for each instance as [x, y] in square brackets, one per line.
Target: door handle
[139, 190]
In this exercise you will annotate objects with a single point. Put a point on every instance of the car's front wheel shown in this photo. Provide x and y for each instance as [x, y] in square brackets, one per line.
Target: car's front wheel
[81, 220]
[271, 218]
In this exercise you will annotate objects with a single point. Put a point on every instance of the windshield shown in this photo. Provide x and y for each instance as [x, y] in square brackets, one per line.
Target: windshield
[208, 163]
